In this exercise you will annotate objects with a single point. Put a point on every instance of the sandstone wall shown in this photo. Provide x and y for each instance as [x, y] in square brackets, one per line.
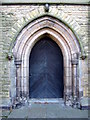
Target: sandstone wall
[77, 16]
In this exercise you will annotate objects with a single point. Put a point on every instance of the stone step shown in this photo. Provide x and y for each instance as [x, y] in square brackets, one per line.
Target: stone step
[47, 101]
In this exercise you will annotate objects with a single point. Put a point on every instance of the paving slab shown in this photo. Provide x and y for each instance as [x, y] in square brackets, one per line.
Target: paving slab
[48, 111]
[57, 111]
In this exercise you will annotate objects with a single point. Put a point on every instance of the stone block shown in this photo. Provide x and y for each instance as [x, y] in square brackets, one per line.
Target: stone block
[85, 102]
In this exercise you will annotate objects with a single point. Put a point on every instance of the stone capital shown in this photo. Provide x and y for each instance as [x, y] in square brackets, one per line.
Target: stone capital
[18, 62]
[75, 58]
[74, 62]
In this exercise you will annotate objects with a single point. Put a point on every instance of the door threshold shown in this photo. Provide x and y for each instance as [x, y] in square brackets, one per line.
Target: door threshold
[46, 100]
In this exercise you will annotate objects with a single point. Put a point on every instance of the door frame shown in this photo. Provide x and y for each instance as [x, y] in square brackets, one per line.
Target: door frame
[68, 44]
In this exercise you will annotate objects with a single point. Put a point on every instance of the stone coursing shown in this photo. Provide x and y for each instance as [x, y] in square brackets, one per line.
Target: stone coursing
[14, 18]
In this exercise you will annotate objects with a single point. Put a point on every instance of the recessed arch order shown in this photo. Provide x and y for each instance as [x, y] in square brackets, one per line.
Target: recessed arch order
[65, 39]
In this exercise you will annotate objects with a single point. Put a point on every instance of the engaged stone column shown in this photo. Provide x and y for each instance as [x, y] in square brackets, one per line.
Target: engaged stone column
[75, 77]
[18, 64]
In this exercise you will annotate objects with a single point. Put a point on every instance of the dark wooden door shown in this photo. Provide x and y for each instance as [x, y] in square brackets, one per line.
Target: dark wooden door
[46, 70]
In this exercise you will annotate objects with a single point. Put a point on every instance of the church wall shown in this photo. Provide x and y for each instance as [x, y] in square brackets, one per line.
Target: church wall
[76, 15]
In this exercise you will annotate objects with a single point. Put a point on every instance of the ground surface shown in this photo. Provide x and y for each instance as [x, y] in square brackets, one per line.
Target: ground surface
[47, 111]
[48, 108]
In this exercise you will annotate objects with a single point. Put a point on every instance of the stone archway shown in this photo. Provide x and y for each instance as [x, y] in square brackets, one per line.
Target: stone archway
[68, 44]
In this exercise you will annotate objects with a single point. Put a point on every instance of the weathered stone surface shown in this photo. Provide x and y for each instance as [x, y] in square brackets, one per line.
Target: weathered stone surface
[48, 111]
[46, 1]
[13, 18]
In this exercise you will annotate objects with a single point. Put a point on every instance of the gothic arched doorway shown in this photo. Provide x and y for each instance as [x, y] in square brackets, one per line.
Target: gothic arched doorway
[67, 42]
[46, 70]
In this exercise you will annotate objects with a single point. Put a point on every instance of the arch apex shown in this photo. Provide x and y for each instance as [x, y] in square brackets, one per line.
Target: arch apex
[40, 13]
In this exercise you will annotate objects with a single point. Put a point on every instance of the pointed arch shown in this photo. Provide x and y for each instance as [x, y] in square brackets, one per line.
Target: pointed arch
[65, 39]
[38, 13]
